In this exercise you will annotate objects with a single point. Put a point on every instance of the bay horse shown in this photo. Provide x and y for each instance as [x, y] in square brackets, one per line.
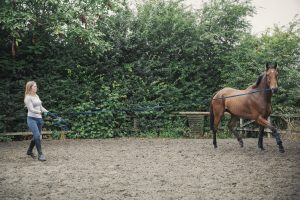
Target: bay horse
[253, 103]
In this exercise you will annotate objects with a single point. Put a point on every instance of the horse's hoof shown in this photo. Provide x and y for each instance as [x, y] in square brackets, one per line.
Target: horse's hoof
[261, 147]
[281, 149]
[241, 143]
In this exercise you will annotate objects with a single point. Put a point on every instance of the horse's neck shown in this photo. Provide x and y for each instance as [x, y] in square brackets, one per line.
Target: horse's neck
[263, 86]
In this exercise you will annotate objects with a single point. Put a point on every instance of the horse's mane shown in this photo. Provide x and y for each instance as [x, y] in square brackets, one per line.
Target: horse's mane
[257, 82]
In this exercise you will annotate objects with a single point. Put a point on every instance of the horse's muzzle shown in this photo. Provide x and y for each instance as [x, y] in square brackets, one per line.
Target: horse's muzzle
[274, 90]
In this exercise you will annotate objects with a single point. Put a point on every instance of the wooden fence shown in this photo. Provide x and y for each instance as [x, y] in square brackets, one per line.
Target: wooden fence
[196, 121]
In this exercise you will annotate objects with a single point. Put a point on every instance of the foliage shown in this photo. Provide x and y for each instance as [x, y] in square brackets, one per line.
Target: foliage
[89, 54]
[5, 138]
[165, 128]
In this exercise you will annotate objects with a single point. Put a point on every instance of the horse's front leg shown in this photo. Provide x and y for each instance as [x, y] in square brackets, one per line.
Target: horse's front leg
[261, 137]
[278, 139]
[265, 123]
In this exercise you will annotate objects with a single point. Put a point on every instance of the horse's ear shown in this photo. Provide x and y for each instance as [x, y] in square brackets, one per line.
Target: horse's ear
[275, 65]
[267, 65]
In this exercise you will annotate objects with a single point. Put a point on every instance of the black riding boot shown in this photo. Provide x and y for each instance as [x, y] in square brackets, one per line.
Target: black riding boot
[38, 145]
[30, 148]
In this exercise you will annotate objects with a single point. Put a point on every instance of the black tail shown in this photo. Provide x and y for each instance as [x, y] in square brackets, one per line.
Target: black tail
[212, 117]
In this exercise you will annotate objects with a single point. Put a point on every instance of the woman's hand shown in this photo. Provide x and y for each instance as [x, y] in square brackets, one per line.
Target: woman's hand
[45, 114]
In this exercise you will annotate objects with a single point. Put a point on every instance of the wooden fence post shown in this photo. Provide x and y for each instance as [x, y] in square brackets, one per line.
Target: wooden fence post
[241, 126]
[269, 120]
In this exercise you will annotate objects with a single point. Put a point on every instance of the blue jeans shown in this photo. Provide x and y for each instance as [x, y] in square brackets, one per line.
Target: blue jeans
[35, 125]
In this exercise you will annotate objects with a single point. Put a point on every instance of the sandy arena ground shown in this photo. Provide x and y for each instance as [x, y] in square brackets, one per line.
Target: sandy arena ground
[150, 169]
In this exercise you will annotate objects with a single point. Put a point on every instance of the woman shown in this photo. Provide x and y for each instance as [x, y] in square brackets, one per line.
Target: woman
[34, 118]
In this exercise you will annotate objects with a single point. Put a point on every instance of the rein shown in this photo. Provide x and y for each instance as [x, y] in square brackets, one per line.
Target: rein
[256, 91]
[97, 110]
[61, 123]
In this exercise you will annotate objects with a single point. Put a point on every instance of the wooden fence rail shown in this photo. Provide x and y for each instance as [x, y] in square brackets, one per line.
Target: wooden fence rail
[61, 134]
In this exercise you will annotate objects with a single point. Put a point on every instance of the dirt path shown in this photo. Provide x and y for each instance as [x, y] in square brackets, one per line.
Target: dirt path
[150, 169]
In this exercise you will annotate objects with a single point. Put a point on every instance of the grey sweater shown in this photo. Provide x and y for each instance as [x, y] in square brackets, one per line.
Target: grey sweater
[34, 106]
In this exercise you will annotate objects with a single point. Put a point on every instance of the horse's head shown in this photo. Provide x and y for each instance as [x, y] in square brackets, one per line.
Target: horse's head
[271, 75]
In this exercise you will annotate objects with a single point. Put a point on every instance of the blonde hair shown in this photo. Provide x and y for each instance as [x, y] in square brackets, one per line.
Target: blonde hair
[28, 87]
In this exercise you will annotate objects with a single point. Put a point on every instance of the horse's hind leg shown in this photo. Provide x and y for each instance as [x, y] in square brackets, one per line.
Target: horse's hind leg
[261, 137]
[215, 138]
[232, 128]
[217, 118]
